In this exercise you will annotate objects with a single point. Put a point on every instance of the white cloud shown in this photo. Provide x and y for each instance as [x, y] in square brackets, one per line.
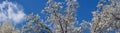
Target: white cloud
[11, 12]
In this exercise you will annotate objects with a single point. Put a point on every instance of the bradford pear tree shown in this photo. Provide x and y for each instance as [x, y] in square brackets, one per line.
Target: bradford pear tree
[35, 25]
[107, 17]
[8, 28]
[62, 15]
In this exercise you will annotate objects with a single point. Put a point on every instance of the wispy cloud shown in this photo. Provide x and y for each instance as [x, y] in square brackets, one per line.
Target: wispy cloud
[11, 12]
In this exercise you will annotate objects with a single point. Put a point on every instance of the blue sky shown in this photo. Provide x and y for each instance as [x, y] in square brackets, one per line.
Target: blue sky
[83, 13]
[86, 7]
[35, 6]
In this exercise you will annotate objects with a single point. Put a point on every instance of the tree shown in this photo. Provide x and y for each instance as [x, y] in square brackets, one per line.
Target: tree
[35, 25]
[8, 28]
[63, 17]
[107, 17]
